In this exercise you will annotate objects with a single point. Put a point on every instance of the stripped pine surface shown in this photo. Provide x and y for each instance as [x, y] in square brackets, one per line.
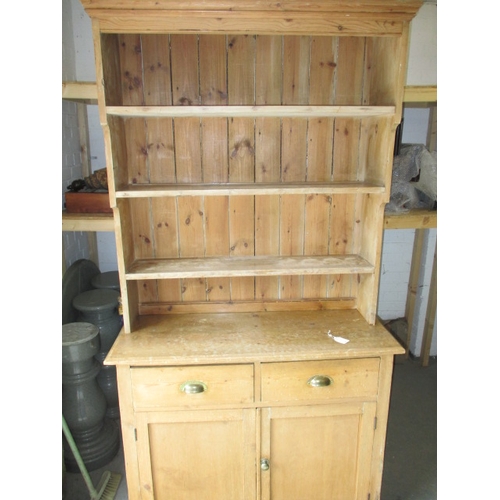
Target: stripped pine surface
[273, 176]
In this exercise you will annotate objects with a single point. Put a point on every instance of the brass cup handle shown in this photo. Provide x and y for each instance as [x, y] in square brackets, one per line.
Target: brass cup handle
[320, 381]
[193, 387]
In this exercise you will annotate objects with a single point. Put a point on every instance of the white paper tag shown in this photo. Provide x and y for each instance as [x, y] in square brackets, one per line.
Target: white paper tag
[340, 340]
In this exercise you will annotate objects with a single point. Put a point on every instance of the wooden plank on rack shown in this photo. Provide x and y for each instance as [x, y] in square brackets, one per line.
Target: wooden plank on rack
[80, 91]
[420, 93]
[87, 222]
[83, 91]
[413, 219]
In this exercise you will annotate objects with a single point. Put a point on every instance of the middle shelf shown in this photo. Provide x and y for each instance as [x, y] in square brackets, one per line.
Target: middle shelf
[242, 189]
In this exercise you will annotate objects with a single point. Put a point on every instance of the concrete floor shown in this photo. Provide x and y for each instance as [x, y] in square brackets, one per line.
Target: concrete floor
[410, 468]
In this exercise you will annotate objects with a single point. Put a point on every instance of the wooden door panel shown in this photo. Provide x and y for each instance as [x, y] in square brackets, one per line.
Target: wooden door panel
[318, 452]
[207, 455]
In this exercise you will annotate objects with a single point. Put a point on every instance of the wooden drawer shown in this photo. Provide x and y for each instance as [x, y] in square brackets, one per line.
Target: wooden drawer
[191, 386]
[317, 380]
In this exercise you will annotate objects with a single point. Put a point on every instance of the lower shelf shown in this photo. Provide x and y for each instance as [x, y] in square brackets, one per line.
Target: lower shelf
[216, 267]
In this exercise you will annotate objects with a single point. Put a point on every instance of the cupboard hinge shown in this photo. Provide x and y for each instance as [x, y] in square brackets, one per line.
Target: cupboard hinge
[374, 427]
[135, 434]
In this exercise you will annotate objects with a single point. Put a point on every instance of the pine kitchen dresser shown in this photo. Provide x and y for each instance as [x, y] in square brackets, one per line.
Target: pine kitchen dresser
[249, 151]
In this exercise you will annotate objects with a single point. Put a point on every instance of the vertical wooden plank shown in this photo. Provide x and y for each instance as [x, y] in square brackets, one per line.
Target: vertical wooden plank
[385, 376]
[340, 243]
[128, 428]
[158, 92]
[132, 93]
[348, 91]
[131, 69]
[291, 241]
[83, 131]
[265, 452]
[156, 63]
[217, 243]
[411, 295]
[185, 92]
[166, 239]
[383, 64]
[296, 62]
[241, 90]
[136, 150]
[376, 151]
[213, 69]
[368, 244]
[345, 161]
[116, 154]
[241, 69]
[184, 60]
[268, 70]
[191, 243]
[296, 57]
[132, 90]
[432, 129]
[125, 257]
[268, 81]
[143, 240]
[160, 155]
[319, 154]
[317, 219]
[242, 242]
[346, 146]
[188, 150]
[430, 315]
[213, 89]
[376, 146]
[108, 76]
[350, 68]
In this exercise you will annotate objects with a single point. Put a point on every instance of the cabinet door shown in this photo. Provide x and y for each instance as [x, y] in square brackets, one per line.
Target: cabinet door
[193, 455]
[320, 452]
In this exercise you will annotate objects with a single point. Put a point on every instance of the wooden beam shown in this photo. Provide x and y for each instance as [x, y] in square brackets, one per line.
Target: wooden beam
[419, 93]
[80, 91]
[87, 222]
[87, 91]
[411, 296]
[414, 219]
[430, 315]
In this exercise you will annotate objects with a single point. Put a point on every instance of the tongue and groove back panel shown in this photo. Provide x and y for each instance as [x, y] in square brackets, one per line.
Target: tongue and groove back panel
[268, 150]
